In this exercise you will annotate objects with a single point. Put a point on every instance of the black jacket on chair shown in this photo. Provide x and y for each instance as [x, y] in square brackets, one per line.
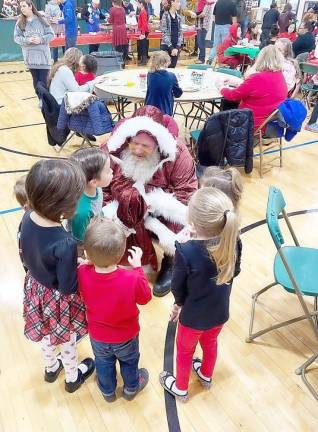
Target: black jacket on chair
[227, 135]
[50, 111]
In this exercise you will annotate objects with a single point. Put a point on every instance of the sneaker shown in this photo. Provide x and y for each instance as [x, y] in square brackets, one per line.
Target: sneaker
[168, 382]
[109, 398]
[50, 377]
[143, 381]
[196, 365]
[312, 127]
[71, 387]
[199, 61]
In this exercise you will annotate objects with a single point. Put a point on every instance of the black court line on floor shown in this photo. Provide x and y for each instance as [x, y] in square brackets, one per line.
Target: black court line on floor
[30, 154]
[22, 126]
[170, 402]
[14, 171]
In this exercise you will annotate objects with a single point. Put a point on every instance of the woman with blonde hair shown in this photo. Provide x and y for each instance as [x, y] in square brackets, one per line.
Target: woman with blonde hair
[61, 78]
[33, 33]
[162, 86]
[203, 272]
[264, 88]
[291, 69]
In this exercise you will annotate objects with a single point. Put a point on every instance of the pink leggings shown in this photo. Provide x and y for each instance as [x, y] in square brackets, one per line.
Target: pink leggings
[187, 340]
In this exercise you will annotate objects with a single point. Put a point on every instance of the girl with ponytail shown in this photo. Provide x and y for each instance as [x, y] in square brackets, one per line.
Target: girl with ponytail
[202, 280]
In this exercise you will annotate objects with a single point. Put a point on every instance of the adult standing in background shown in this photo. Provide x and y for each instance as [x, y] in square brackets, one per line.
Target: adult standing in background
[285, 18]
[92, 15]
[53, 12]
[242, 16]
[171, 28]
[225, 14]
[270, 18]
[33, 33]
[70, 22]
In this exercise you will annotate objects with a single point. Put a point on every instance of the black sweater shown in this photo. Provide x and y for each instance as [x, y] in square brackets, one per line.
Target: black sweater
[304, 43]
[50, 254]
[204, 303]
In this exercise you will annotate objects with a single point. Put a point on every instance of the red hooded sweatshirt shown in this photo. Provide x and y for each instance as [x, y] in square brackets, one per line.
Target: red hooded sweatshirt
[230, 40]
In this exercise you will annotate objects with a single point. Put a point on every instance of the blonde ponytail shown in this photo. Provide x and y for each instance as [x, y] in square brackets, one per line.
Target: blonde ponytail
[213, 216]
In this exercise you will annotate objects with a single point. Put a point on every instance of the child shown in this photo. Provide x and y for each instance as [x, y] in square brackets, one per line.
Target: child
[87, 69]
[21, 197]
[111, 296]
[202, 279]
[228, 180]
[52, 309]
[117, 18]
[162, 86]
[204, 18]
[96, 166]
[143, 28]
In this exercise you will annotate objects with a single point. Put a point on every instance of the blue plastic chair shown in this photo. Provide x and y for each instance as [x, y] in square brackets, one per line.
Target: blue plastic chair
[296, 270]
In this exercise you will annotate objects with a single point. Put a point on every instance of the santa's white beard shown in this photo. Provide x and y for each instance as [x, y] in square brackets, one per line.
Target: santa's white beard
[139, 170]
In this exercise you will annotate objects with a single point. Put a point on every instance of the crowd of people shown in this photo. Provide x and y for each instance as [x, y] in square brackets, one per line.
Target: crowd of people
[87, 238]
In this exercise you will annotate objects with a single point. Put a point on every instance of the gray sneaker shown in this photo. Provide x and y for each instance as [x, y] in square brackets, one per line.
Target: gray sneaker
[143, 381]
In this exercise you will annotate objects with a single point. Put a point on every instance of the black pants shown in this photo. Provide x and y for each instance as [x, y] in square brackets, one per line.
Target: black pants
[142, 48]
[314, 115]
[39, 75]
[228, 105]
[93, 48]
[173, 59]
[122, 49]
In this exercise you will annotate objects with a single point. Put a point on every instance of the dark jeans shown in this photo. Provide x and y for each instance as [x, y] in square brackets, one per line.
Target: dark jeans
[55, 53]
[201, 43]
[39, 75]
[314, 115]
[124, 50]
[70, 42]
[93, 48]
[142, 48]
[127, 353]
[173, 59]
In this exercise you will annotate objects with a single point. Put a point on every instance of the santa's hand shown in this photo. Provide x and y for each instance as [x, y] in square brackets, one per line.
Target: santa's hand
[175, 312]
[134, 258]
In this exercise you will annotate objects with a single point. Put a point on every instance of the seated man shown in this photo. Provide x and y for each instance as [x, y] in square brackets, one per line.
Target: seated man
[153, 180]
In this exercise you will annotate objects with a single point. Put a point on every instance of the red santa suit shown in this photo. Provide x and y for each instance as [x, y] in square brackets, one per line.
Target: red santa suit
[155, 207]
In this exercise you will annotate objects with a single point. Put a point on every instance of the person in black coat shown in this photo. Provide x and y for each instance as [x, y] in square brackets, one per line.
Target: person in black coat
[305, 41]
[270, 18]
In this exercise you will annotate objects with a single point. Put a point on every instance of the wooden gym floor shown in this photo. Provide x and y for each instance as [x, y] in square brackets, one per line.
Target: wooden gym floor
[255, 387]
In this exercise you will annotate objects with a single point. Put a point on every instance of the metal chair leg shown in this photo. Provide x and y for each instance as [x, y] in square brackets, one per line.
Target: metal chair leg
[302, 370]
[315, 310]
[261, 155]
[280, 152]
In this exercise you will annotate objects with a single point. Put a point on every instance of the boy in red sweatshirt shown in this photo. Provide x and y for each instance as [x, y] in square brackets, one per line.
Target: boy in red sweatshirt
[111, 296]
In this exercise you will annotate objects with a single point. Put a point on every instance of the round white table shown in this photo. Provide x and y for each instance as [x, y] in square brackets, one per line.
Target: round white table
[198, 87]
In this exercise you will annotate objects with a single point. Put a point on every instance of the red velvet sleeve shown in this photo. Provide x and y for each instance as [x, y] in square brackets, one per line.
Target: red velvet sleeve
[242, 91]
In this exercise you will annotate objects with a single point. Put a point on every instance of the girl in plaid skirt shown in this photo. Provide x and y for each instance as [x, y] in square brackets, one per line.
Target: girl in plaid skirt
[53, 310]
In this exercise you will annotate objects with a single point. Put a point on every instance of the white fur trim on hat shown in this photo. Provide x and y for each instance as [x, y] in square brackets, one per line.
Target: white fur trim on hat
[130, 127]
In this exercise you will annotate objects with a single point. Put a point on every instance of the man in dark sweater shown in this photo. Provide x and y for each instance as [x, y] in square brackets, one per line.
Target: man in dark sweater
[270, 18]
[305, 41]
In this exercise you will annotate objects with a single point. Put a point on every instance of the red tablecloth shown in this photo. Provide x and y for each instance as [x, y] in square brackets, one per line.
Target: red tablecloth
[103, 38]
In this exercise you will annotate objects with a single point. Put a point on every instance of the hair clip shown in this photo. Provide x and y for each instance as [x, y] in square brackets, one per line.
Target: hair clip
[225, 214]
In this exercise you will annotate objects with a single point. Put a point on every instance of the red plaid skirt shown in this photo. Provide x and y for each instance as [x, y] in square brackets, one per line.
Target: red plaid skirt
[48, 312]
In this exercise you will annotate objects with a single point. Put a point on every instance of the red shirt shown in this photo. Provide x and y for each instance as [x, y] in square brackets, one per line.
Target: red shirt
[143, 26]
[291, 36]
[111, 302]
[83, 78]
[261, 92]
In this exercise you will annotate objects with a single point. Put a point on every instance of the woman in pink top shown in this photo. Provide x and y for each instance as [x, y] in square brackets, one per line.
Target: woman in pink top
[264, 89]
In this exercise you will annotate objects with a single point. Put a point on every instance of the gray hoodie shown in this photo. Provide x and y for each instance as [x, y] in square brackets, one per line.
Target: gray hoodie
[52, 10]
[35, 56]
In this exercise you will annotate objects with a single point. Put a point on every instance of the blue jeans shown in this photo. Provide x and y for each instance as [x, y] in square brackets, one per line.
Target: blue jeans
[220, 33]
[70, 42]
[201, 43]
[127, 353]
[244, 25]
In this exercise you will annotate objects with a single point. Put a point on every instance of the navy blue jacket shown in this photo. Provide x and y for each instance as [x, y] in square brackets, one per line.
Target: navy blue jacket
[162, 88]
[70, 20]
[204, 303]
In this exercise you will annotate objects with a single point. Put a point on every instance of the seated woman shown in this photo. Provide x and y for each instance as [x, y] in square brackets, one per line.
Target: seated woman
[231, 39]
[291, 69]
[61, 77]
[305, 41]
[264, 89]
[273, 36]
[291, 33]
[253, 33]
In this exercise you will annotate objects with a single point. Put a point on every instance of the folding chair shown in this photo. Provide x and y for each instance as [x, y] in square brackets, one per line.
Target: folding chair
[307, 89]
[276, 143]
[296, 270]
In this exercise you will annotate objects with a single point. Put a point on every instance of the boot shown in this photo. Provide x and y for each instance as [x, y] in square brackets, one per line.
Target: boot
[163, 282]
[143, 61]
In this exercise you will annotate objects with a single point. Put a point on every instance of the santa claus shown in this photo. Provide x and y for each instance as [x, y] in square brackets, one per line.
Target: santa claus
[153, 180]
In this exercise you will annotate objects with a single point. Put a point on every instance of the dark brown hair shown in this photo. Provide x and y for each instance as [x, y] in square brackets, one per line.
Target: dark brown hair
[92, 161]
[90, 63]
[19, 191]
[22, 19]
[54, 187]
[104, 242]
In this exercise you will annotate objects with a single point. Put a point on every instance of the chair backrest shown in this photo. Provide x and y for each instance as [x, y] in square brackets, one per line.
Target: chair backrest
[199, 66]
[229, 71]
[275, 206]
[308, 68]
